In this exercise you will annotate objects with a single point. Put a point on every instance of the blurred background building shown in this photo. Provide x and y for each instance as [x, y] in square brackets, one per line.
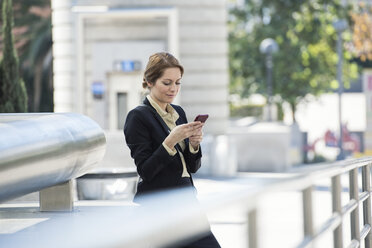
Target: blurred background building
[100, 50]
[89, 56]
[270, 110]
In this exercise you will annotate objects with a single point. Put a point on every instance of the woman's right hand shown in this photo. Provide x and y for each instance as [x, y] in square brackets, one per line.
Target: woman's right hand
[182, 132]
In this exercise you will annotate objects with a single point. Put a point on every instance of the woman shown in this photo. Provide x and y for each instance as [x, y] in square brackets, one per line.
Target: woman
[165, 148]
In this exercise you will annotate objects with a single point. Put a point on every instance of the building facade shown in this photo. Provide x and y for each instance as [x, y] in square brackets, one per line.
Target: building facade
[95, 47]
[100, 49]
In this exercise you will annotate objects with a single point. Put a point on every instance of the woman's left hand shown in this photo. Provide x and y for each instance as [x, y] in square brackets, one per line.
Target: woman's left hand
[196, 139]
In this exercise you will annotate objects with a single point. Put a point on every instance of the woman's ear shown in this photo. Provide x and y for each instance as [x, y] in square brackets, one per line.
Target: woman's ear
[149, 85]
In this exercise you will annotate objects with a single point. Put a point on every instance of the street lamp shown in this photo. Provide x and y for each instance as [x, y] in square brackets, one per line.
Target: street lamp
[269, 46]
[340, 26]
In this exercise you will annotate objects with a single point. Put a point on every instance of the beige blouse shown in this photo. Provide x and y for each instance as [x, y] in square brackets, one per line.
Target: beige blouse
[170, 117]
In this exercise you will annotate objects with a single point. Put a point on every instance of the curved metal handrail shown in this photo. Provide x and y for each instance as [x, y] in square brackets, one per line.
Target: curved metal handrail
[41, 150]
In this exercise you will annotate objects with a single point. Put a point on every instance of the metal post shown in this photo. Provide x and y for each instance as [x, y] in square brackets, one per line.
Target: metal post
[308, 212]
[337, 208]
[354, 194]
[269, 46]
[340, 26]
[252, 228]
[269, 68]
[341, 155]
[366, 186]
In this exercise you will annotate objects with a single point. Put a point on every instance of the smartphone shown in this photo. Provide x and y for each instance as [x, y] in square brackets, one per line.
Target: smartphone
[201, 118]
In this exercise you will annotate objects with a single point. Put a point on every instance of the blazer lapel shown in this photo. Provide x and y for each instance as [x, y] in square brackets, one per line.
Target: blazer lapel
[162, 122]
[164, 126]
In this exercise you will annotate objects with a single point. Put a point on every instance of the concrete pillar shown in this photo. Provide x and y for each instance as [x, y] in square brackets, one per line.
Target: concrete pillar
[57, 198]
[64, 68]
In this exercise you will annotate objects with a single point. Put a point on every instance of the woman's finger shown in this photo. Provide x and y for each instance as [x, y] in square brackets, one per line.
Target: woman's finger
[195, 124]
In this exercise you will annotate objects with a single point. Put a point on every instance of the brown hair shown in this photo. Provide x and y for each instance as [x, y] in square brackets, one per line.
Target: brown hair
[156, 66]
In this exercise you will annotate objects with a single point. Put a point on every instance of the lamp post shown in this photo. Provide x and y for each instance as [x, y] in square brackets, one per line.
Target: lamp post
[340, 26]
[269, 46]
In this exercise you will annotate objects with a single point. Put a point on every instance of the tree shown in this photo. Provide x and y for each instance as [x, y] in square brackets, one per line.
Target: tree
[306, 61]
[13, 95]
[361, 44]
[33, 42]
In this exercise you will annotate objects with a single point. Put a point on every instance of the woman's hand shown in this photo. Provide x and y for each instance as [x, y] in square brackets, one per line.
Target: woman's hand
[192, 130]
[196, 139]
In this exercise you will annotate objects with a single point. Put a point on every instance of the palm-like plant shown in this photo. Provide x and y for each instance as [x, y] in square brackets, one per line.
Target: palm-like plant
[13, 96]
[33, 41]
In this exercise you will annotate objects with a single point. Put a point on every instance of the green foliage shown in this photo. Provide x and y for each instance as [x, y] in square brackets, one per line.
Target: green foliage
[317, 158]
[13, 96]
[33, 40]
[246, 110]
[306, 60]
[36, 59]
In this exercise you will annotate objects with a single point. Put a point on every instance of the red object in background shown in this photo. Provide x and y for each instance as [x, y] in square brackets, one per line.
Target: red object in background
[330, 139]
[350, 142]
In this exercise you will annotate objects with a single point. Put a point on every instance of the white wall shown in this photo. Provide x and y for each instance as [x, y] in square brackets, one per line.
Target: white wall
[317, 116]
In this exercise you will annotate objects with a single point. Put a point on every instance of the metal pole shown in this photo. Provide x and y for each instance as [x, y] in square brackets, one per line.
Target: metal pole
[354, 194]
[341, 155]
[307, 204]
[366, 186]
[337, 208]
[269, 66]
[269, 46]
[42, 150]
[252, 229]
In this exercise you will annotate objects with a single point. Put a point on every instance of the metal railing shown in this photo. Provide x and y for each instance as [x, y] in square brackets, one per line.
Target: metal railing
[304, 180]
[173, 218]
[357, 198]
[38, 151]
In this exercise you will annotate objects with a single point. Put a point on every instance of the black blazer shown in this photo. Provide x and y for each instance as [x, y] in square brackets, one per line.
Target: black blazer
[144, 132]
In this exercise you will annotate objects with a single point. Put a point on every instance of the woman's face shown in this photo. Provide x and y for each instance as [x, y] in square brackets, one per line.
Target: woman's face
[166, 87]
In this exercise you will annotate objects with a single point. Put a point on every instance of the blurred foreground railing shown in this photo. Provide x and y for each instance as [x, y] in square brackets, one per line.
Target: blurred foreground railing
[304, 181]
[170, 218]
[38, 151]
